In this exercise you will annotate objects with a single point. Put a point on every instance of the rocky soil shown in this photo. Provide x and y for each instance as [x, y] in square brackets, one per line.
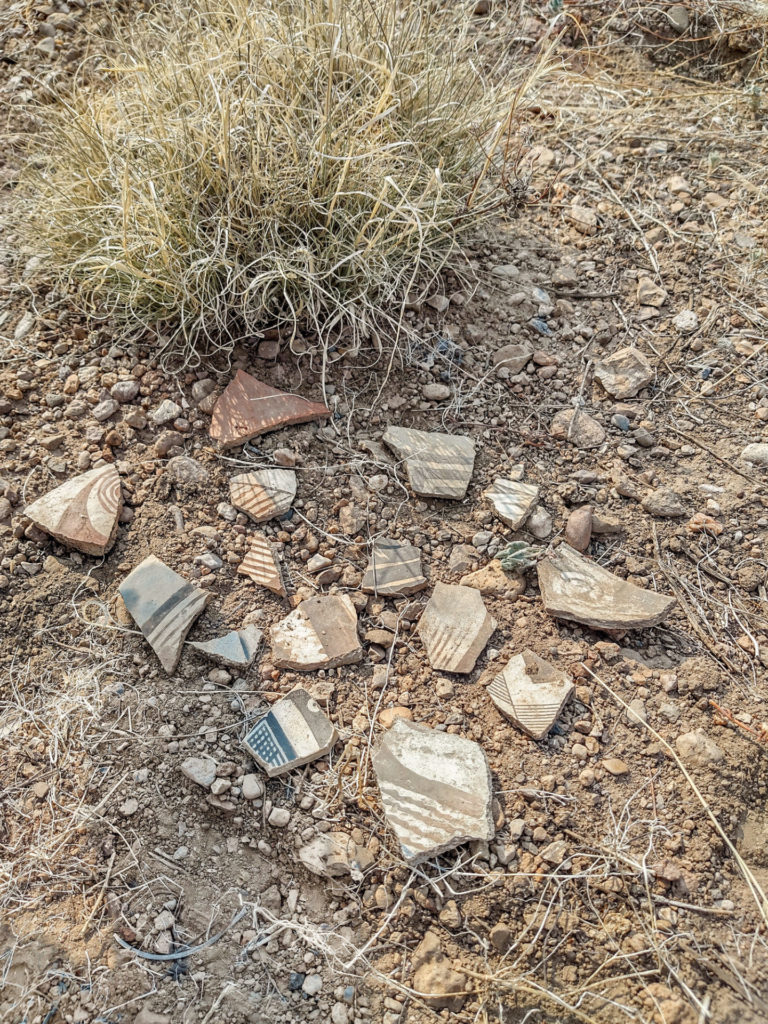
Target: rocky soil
[608, 890]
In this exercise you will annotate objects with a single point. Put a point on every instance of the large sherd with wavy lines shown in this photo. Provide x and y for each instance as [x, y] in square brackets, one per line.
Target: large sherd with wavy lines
[83, 512]
[435, 789]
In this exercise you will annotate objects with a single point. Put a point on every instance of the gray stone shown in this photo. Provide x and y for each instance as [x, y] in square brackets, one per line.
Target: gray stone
[201, 770]
[312, 984]
[578, 590]
[462, 558]
[513, 358]
[252, 787]
[125, 390]
[455, 627]
[624, 373]
[202, 388]
[165, 413]
[279, 817]
[436, 392]
[105, 409]
[686, 321]
[576, 426]
[664, 502]
[435, 789]
[334, 855]
[187, 472]
[539, 523]
[649, 293]
[678, 17]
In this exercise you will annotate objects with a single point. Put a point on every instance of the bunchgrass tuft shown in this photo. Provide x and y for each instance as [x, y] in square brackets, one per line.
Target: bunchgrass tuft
[235, 165]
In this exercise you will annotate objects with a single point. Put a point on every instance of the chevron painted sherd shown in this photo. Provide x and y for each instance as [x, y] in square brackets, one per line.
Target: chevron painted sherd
[531, 693]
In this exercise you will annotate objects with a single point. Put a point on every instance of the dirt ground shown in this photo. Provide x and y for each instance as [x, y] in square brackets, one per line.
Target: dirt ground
[637, 171]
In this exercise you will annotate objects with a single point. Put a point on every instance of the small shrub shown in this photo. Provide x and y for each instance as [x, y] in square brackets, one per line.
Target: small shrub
[272, 164]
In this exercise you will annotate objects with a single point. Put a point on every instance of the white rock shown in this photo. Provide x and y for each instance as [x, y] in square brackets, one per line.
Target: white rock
[649, 293]
[201, 770]
[253, 787]
[686, 322]
[539, 523]
[756, 453]
[279, 817]
[698, 749]
[624, 373]
[312, 984]
[165, 412]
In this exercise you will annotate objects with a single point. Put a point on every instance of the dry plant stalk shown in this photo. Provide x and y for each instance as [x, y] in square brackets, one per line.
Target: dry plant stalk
[300, 163]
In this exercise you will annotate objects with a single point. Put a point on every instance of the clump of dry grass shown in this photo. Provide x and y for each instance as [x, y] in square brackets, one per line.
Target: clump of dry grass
[293, 163]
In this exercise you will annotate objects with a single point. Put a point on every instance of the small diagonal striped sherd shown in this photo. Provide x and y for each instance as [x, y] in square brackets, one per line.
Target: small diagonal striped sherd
[512, 500]
[455, 627]
[261, 565]
[530, 692]
[264, 494]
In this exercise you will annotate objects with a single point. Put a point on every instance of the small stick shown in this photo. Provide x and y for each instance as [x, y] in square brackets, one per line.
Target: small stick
[695, 440]
[100, 897]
